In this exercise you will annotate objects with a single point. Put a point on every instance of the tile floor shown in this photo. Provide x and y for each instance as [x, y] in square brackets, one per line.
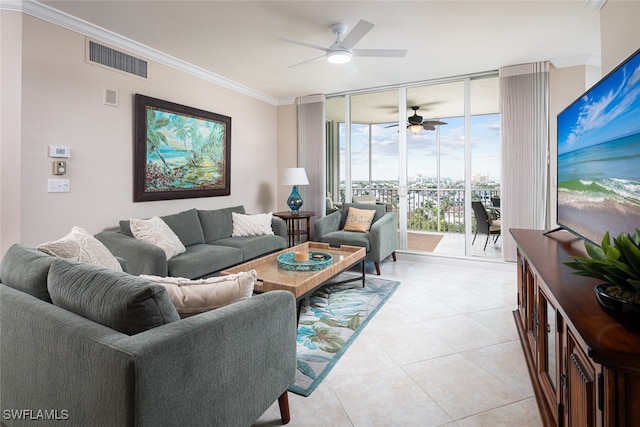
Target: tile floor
[443, 351]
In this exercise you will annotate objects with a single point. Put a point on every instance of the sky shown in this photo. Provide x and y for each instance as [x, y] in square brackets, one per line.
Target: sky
[422, 150]
[607, 111]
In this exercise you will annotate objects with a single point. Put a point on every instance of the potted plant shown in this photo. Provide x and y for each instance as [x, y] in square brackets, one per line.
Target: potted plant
[618, 265]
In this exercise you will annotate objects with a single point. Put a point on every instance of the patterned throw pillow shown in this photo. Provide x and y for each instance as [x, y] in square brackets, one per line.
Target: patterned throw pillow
[80, 245]
[359, 219]
[196, 296]
[155, 231]
[251, 225]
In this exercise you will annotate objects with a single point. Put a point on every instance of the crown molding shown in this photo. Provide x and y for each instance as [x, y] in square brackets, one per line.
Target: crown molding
[72, 23]
[574, 61]
[595, 4]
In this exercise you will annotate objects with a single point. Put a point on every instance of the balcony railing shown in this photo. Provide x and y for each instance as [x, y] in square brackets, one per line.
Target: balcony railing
[430, 209]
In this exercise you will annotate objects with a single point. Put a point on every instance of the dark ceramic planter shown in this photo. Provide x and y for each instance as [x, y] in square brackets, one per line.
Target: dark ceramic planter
[627, 313]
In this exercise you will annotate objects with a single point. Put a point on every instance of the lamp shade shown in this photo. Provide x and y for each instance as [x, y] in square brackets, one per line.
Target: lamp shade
[294, 176]
[415, 128]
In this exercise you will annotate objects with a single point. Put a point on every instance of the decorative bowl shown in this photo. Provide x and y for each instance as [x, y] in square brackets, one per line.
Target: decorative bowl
[317, 261]
[626, 312]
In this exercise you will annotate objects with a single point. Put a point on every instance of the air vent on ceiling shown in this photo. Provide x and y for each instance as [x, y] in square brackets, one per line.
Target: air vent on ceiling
[103, 55]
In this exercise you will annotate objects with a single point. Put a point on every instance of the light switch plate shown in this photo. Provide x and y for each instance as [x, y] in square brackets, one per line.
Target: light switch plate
[59, 186]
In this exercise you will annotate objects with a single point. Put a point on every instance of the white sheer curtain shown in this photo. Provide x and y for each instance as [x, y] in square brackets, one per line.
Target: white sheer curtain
[311, 152]
[525, 139]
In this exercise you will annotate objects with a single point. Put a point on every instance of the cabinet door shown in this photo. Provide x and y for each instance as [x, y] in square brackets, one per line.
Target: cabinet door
[549, 354]
[581, 397]
[532, 321]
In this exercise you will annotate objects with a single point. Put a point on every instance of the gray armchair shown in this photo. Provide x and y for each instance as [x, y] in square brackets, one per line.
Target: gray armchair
[380, 241]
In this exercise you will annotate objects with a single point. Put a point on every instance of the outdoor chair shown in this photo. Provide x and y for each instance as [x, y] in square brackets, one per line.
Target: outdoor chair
[484, 224]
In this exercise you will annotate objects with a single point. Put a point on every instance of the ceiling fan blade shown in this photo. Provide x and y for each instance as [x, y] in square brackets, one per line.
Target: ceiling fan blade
[298, 42]
[358, 32]
[380, 53]
[434, 122]
[390, 126]
[351, 69]
[307, 61]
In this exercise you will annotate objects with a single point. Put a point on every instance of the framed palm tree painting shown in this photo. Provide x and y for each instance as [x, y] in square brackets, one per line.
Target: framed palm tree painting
[180, 152]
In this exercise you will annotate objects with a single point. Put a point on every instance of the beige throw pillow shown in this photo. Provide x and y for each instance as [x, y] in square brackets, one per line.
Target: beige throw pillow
[155, 231]
[359, 219]
[196, 296]
[80, 245]
[251, 225]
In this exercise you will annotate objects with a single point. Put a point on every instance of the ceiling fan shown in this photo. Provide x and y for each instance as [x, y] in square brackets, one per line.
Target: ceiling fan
[416, 124]
[341, 51]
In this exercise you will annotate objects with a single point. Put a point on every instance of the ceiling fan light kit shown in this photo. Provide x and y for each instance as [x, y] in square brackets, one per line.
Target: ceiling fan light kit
[415, 128]
[339, 56]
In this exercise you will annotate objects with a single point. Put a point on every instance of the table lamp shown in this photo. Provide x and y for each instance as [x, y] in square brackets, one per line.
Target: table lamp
[295, 177]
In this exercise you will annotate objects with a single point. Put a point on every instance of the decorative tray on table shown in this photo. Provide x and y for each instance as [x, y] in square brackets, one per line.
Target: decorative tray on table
[317, 261]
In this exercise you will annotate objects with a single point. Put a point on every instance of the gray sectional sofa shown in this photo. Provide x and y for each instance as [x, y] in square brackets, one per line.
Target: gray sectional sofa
[69, 360]
[207, 236]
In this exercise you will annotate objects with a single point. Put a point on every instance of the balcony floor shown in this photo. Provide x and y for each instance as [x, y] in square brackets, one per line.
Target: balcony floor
[452, 244]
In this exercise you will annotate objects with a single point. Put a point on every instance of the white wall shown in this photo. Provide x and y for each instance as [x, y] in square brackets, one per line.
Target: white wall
[62, 104]
[10, 117]
[619, 32]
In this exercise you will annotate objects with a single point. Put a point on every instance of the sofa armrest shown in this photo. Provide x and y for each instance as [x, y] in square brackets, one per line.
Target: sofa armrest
[384, 237]
[140, 257]
[279, 227]
[327, 224]
[240, 358]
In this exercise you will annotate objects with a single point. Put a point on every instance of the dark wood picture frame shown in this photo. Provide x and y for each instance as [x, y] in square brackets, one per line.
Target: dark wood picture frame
[180, 152]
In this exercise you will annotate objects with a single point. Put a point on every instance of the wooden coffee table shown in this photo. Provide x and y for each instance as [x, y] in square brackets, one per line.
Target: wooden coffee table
[302, 283]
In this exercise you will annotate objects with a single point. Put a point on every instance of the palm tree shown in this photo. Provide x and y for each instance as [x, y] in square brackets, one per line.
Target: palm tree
[155, 138]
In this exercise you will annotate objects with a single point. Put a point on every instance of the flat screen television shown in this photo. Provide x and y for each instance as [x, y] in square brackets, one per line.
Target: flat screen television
[598, 181]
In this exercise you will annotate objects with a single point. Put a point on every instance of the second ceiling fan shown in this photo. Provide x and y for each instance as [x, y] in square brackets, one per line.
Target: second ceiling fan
[416, 124]
[341, 51]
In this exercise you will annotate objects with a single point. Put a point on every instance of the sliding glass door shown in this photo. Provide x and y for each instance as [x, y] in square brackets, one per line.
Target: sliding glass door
[426, 152]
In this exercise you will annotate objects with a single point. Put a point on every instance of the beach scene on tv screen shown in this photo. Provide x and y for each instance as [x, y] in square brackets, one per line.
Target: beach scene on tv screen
[599, 157]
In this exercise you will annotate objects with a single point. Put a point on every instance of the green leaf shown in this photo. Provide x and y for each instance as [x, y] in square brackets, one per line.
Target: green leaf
[606, 241]
[630, 253]
[594, 251]
[611, 253]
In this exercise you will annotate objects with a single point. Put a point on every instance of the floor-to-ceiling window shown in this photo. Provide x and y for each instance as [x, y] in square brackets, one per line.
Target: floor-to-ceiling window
[430, 173]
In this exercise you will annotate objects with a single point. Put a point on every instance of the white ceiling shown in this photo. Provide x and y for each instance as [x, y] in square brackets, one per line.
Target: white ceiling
[238, 40]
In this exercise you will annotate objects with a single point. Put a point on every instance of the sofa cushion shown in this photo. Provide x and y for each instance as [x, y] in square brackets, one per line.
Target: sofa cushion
[253, 246]
[154, 230]
[350, 238]
[202, 260]
[26, 270]
[217, 223]
[115, 299]
[251, 225]
[197, 296]
[380, 211]
[359, 219]
[187, 226]
[80, 245]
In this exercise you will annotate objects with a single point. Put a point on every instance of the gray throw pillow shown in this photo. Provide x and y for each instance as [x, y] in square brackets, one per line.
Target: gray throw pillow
[126, 303]
[26, 269]
[187, 226]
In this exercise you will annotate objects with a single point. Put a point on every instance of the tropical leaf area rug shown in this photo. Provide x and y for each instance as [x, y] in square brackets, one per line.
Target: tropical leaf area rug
[330, 320]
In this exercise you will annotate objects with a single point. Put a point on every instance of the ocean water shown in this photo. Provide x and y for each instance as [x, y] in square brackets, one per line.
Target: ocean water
[610, 170]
